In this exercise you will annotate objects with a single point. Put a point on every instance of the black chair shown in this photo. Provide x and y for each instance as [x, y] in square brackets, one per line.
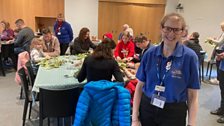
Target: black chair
[31, 75]
[211, 62]
[58, 103]
[209, 67]
[1, 65]
[27, 92]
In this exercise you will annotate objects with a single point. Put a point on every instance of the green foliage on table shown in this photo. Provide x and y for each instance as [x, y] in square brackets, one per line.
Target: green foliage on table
[81, 56]
[54, 62]
[122, 65]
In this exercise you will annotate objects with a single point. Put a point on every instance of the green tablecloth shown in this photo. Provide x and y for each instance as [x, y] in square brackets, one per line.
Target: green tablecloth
[55, 78]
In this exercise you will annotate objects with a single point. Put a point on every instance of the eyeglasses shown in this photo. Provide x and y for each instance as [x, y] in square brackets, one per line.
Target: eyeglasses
[167, 29]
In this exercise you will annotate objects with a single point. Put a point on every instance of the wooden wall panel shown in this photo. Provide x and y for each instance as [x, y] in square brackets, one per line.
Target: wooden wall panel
[137, 1]
[143, 18]
[10, 10]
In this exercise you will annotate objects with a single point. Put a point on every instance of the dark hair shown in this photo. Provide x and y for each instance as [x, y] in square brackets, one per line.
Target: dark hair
[177, 16]
[104, 49]
[19, 21]
[195, 35]
[140, 38]
[46, 31]
[82, 33]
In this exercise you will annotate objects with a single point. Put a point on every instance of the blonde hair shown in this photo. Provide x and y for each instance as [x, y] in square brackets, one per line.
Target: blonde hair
[36, 41]
[177, 17]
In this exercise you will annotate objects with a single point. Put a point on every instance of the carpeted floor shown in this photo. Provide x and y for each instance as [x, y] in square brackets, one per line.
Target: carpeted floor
[11, 107]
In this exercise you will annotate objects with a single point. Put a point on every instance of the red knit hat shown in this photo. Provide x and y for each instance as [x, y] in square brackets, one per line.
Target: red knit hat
[109, 35]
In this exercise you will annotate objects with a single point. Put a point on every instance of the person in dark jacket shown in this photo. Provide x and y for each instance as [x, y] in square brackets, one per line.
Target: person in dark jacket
[193, 43]
[82, 43]
[63, 31]
[101, 65]
[23, 40]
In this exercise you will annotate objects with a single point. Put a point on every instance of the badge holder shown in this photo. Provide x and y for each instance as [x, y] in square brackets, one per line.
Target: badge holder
[158, 101]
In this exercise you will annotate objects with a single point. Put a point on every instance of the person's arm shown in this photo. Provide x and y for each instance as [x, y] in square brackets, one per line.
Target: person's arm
[82, 73]
[77, 47]
[70, 32]
[131, 49]
[19, 39]
[219, 41]
[93, 46]
[117, 50]
[192, 106]
[117, 72]
[136, 104]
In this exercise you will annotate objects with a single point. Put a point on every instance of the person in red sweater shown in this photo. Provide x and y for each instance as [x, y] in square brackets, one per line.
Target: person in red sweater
[125, 48]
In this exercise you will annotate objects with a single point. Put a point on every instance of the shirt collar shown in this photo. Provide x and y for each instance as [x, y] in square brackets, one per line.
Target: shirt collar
[178, 52]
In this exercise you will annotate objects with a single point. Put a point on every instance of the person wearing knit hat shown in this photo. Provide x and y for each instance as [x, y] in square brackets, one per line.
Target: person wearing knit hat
[108, 35]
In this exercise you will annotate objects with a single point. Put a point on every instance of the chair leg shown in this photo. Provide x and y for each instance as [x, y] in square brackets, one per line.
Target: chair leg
[21, 93]
[58, 121]
[207, 68]
[25, 111]
[1, 66]
[48, 121]
[202, 70]
[210, 72]
[30, 109]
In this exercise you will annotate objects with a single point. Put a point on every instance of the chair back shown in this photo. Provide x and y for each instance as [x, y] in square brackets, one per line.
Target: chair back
[24, 82]
[30, 72]
[58, 103]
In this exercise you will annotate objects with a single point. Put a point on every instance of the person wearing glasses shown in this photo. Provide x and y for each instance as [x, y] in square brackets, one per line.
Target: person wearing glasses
[168, 80]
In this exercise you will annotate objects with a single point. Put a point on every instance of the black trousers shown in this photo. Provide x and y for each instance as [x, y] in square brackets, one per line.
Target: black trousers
[173, 114]
[221, 85]
[63, 48]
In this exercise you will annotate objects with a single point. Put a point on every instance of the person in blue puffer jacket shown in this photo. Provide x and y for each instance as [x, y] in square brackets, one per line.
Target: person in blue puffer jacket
[103, 103]
[63, 32]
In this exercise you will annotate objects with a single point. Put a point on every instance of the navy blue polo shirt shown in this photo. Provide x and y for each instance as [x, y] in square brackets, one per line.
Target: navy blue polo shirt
[183, 74]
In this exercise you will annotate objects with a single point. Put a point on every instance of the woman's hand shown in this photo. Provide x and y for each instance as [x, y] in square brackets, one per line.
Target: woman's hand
[118, 58]
[220, 56]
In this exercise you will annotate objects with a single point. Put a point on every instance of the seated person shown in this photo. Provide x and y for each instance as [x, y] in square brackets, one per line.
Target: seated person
[51, 44]
[108, 35]
[101, 65]
[36, 53]
[144, 44]
[193, 43]
[82, 43]
[7, 33]
[125, 48]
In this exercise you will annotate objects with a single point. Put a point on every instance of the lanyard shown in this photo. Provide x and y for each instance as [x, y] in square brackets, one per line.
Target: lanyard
[159, 70]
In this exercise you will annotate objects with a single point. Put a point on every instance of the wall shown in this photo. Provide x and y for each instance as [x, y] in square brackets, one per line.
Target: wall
[203, 16]
[82, 13]
[10, 10]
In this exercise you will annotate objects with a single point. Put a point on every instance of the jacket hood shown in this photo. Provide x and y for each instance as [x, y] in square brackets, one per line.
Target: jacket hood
[102, 85]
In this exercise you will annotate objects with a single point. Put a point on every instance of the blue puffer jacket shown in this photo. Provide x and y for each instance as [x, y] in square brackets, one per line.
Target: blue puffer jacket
[66, 33]
[103, 103]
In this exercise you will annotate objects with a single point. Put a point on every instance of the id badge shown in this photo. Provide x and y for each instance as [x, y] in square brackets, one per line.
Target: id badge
[158, 101]
[59, 33]
[159, 88]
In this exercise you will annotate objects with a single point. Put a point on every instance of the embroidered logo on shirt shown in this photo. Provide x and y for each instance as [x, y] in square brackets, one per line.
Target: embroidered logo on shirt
[176, 73]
